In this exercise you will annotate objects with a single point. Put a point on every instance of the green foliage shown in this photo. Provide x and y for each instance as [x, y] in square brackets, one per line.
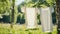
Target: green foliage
[39, 3]
[22, 31]
[22, 4]
[30, 4]
[4, 6]
[15, 15]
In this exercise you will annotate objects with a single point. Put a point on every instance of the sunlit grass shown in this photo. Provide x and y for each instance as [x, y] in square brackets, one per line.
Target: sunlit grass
[21, 29]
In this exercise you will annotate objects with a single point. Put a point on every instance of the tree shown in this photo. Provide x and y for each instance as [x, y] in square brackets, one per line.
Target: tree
[58, 15]
[14, 14]
[39, 3]
[4, 6]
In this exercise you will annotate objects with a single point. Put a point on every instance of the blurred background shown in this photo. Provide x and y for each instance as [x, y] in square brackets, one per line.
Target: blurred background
[12, 16]
[19, 9]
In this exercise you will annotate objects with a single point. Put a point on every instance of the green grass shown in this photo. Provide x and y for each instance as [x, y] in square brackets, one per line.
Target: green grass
[23, 30]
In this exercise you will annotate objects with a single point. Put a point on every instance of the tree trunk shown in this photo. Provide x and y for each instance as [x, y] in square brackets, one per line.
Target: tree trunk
[58, 15]
[13, 6]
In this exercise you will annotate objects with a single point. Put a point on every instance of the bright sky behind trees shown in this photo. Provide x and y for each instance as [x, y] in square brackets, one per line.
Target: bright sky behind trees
[18, 2]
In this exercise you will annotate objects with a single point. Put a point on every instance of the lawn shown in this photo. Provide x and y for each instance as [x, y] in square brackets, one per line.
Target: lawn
[21, 29]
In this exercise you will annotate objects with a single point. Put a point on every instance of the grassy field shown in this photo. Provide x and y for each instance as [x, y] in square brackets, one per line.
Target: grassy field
[21, 29]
